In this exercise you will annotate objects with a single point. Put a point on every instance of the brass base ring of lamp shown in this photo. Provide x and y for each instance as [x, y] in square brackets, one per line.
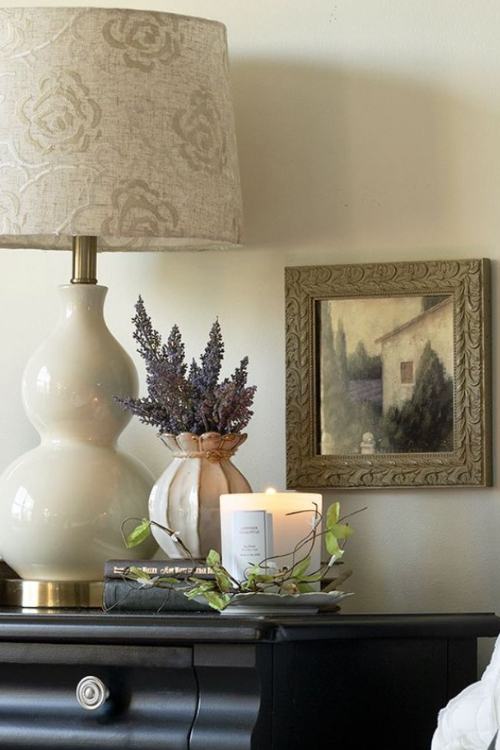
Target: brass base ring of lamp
[18, 592]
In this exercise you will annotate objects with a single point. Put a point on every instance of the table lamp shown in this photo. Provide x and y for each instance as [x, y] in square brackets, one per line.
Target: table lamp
[116, 133]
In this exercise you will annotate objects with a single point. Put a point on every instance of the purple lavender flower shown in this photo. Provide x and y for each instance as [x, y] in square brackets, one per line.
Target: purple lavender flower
[148, 339]
[233, 400]
[182, 401]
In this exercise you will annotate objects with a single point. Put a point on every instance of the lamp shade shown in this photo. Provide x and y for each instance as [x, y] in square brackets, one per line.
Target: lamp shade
[116, 124]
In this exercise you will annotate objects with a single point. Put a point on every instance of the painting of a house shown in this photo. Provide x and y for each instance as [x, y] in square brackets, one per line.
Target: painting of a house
[402, 348]
[386, 375]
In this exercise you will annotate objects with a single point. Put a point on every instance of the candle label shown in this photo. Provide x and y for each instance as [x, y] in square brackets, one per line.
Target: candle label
[252, 540]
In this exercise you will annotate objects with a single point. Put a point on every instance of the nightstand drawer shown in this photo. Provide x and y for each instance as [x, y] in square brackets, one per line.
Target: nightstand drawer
[151, 704]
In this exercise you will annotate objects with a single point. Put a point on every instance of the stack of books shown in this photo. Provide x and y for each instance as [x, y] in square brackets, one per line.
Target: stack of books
[122, 594]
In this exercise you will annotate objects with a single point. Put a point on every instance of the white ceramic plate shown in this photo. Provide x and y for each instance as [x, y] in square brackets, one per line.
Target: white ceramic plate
[272, 604]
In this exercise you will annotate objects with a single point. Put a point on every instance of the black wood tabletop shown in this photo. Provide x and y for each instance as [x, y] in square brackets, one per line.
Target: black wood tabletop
[78, 626]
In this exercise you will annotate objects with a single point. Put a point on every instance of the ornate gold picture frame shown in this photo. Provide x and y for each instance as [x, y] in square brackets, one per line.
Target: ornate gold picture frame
[388, 375]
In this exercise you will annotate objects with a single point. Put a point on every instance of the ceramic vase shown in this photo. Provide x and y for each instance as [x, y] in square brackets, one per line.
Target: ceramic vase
[62, 504]
[186, 496]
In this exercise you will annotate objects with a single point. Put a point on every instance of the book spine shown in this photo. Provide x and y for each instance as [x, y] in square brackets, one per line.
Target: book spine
[117, 568]
[126, 596]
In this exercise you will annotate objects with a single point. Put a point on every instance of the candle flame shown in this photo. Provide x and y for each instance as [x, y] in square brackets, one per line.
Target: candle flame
[270, 491]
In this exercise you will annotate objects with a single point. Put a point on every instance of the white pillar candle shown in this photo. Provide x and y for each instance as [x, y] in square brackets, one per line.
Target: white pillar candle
[287, 530]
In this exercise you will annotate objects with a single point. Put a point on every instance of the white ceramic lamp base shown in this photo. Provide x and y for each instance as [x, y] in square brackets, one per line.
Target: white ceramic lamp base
[62, 504]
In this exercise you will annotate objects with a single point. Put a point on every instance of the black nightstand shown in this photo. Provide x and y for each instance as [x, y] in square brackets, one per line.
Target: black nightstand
[210, 682]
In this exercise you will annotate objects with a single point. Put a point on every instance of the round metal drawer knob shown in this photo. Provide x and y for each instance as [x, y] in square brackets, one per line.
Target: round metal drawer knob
[91, 693]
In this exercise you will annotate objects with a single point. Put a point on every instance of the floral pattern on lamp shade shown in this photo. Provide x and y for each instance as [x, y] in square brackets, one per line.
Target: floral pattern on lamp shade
[115, 123]
[145, 39]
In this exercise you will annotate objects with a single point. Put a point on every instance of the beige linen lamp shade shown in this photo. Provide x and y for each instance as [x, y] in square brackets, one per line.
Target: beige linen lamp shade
[116, 124]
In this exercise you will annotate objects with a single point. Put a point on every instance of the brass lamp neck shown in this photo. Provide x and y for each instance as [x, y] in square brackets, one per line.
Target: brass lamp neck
[84, 260]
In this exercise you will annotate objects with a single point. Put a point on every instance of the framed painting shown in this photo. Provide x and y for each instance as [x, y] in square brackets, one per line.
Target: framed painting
[388, 375]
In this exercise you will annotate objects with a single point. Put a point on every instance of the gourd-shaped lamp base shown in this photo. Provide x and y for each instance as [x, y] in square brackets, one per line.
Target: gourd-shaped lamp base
[63, 503]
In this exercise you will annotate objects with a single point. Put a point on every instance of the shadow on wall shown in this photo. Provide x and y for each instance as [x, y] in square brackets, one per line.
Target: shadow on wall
[322, 149]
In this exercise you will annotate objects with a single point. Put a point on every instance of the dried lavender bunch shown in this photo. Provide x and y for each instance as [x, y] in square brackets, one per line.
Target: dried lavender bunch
[182, 401]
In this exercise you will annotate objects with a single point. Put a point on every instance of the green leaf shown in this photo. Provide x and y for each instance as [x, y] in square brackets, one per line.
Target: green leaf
[248, 585]
[313, 578]
[331, 543]
[333, 514]
[200, 590]
[341, 530]
[202, 584]
[263, 579]
[192, 593]
[253, 570]
[139, 534]
[217, 601]
[213, 559]
[304, 588]
[300, 568]
[137, 573]
[223, 581]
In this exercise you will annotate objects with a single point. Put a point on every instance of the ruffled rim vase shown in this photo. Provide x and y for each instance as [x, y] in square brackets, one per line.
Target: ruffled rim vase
[186, 496]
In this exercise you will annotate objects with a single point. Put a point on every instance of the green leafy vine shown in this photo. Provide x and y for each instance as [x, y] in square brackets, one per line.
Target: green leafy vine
[265, 577]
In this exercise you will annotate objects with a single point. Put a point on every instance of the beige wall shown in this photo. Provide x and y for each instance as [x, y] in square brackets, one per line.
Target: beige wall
[368, 130]
[407, 345]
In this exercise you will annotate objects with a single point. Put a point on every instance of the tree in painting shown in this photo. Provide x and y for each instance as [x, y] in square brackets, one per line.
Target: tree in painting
[345, 414]
[363, 367]
[335, 395]
[424, 422]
